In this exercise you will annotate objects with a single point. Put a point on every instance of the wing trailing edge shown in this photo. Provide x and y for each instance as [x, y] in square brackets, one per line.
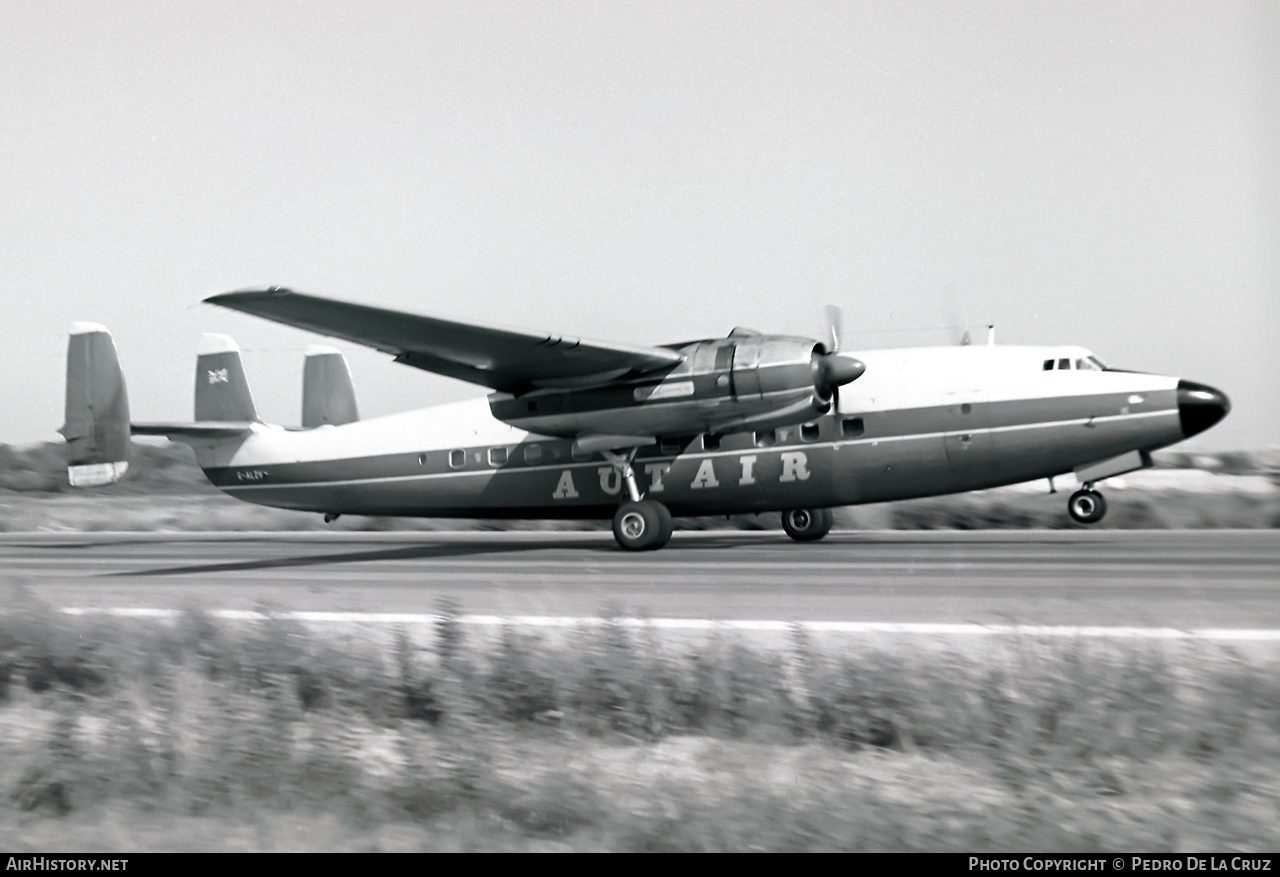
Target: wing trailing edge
[196, 430]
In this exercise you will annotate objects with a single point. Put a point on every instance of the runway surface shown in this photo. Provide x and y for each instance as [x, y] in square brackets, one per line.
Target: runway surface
[1152, 579]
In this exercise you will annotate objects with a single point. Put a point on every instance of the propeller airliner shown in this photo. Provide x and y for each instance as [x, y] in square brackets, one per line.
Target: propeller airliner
[577, 429]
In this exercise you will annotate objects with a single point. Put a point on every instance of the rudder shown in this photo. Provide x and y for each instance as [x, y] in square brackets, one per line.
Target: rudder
[97, 409]
[222, 390]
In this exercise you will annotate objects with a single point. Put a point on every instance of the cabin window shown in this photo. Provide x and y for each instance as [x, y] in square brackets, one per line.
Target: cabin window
[578, 453]
[497, 456]
[531, 406]
[422, 459]
[711, 442]
[1048, 365]
[1064, 363]
[852, 427]
[669, 445]
[766, 439]
[809, 432]
[532, 453]
[457, 458]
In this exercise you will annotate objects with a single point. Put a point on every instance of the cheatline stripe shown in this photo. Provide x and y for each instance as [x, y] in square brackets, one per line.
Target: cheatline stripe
[696, 455]
[706, 624]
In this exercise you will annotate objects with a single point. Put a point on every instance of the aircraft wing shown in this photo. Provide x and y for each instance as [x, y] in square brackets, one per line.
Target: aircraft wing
[508, 360]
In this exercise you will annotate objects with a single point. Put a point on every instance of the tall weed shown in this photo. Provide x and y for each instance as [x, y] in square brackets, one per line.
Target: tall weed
[206, 717]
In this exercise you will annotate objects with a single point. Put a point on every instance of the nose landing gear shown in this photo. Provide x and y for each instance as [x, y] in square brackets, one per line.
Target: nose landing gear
[1086, 505]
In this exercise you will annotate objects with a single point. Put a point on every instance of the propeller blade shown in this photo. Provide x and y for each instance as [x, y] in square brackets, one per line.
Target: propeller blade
[831, 370]
[834, 322]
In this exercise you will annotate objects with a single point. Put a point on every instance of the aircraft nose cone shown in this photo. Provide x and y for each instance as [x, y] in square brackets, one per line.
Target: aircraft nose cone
[1200, 407]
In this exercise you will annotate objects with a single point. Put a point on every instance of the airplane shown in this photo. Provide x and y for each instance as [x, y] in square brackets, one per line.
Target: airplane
[577, 429]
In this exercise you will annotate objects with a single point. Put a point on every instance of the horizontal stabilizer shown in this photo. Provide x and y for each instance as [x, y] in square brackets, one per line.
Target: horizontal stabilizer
[200, 429]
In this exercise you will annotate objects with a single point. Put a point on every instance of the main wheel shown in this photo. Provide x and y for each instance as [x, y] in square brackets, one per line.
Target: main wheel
[668, 524]
[807, 525]
[1086, 506]
[643, 525]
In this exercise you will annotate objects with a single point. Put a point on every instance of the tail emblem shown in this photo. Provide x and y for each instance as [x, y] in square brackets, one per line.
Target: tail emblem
[218, 376]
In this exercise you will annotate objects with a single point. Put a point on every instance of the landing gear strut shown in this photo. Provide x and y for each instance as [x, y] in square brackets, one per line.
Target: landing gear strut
[640, 524]
[1086, 505]
[807, 525]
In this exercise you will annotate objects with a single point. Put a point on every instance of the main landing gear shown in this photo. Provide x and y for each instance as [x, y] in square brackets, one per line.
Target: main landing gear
[640, 524]
[807, 525]
[1086, 505]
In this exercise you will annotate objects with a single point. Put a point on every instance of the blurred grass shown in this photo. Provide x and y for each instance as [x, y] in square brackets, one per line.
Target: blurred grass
[165, 491]
[118, 734]
[1131, 509]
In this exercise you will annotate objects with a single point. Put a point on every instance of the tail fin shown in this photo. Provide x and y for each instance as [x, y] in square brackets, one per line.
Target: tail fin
[327, 394]
[97, 412]
[222, 390]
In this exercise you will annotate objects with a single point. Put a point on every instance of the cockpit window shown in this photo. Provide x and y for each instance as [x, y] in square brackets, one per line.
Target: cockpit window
[1096, 363]
[1064, 363]
[1048, 365]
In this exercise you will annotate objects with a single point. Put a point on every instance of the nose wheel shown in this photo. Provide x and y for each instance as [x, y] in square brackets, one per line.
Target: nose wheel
[807, 525]
[1087, 506]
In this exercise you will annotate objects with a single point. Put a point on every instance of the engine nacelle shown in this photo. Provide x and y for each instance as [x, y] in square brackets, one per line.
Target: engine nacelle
[742, 382]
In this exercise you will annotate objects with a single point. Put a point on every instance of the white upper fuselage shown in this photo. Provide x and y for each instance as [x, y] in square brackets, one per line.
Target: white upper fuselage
[923, 377]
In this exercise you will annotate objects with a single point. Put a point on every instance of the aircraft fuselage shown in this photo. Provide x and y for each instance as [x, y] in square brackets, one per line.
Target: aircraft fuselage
[920, 422]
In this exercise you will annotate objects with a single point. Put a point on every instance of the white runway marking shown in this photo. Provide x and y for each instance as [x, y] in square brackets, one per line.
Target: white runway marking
[695, 624]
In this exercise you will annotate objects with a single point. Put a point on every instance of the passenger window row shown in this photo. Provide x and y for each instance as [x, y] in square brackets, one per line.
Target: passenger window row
[498, 456]
[850, 427]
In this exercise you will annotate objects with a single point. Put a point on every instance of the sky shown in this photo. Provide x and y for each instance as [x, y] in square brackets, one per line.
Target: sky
[1101, 174]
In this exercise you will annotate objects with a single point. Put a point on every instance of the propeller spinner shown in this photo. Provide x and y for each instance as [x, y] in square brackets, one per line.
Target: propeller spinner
[832, 370]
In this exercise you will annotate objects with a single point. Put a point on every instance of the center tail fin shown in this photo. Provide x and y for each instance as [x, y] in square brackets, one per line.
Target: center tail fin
[327, 394]
[222, 390]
